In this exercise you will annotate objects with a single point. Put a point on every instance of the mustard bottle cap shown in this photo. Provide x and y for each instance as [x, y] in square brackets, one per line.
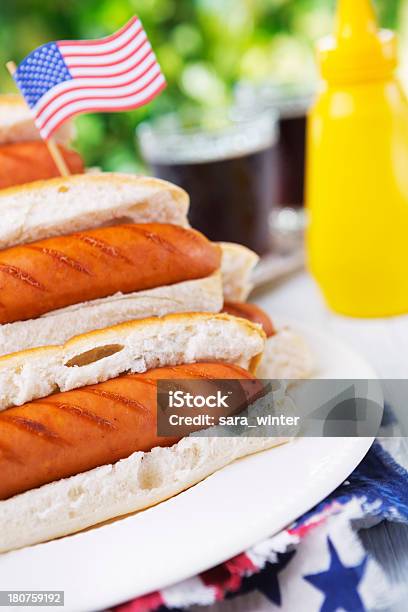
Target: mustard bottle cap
[358, 50]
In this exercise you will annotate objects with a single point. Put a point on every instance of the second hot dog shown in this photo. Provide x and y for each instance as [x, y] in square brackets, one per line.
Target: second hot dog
[43, 276]
[252, 313]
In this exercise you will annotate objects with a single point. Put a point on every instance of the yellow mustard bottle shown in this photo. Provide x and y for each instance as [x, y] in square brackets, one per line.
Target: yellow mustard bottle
[357, 170]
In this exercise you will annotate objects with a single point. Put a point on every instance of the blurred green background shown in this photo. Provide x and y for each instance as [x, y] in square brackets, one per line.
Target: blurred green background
[204, 47]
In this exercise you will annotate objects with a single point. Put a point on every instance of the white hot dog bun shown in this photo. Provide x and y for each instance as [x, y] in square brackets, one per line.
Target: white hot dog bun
[286, 355]
[17, 125]
[238, 263]
[136, 483]
[43, 209]
[135, 346]
[56, 327]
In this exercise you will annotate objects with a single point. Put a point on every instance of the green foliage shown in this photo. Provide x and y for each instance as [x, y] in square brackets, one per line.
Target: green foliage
[204, 47]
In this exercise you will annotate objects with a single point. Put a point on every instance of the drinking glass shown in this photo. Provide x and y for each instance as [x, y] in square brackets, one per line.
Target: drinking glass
[291, 103]
[226, 161]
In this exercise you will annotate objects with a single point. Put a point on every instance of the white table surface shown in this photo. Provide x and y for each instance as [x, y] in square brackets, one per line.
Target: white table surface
[384, 344]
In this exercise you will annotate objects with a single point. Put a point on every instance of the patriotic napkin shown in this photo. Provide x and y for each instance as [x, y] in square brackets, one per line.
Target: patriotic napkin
[318, 563]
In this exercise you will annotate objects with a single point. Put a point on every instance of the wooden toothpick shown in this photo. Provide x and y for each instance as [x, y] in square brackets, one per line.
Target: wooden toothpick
[50, 143]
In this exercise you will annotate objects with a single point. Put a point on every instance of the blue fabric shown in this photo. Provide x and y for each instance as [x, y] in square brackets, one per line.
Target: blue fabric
[378, 478]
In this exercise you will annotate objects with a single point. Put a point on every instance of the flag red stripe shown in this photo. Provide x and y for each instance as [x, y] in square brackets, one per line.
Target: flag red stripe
[100, 41]
[106, 86]
[101, 53]
[92, 109]
[90, 98]
[115, 74]
[122, 59]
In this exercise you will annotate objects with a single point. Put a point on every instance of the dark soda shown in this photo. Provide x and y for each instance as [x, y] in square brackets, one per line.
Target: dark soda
[230, 198]
[291, 161]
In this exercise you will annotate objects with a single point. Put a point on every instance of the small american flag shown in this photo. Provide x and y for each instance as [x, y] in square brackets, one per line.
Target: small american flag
[62, 79]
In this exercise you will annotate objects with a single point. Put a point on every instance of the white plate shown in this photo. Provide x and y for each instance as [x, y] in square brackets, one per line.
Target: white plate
[214, 520]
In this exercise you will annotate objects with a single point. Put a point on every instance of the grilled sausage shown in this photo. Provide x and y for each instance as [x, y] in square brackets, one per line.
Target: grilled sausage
[252, 313]
[71, 432]
[24, 162]
[43, 276]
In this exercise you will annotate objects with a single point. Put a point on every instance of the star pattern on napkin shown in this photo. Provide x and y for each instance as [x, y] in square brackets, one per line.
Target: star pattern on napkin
[345, 595]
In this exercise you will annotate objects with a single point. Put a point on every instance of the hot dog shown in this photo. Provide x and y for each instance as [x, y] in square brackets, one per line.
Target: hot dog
[91, 452]
[81, 281]
[286, 354]
[68, 433]
[25, 162]
[252, 313]
[43, 276]
[82, 203]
